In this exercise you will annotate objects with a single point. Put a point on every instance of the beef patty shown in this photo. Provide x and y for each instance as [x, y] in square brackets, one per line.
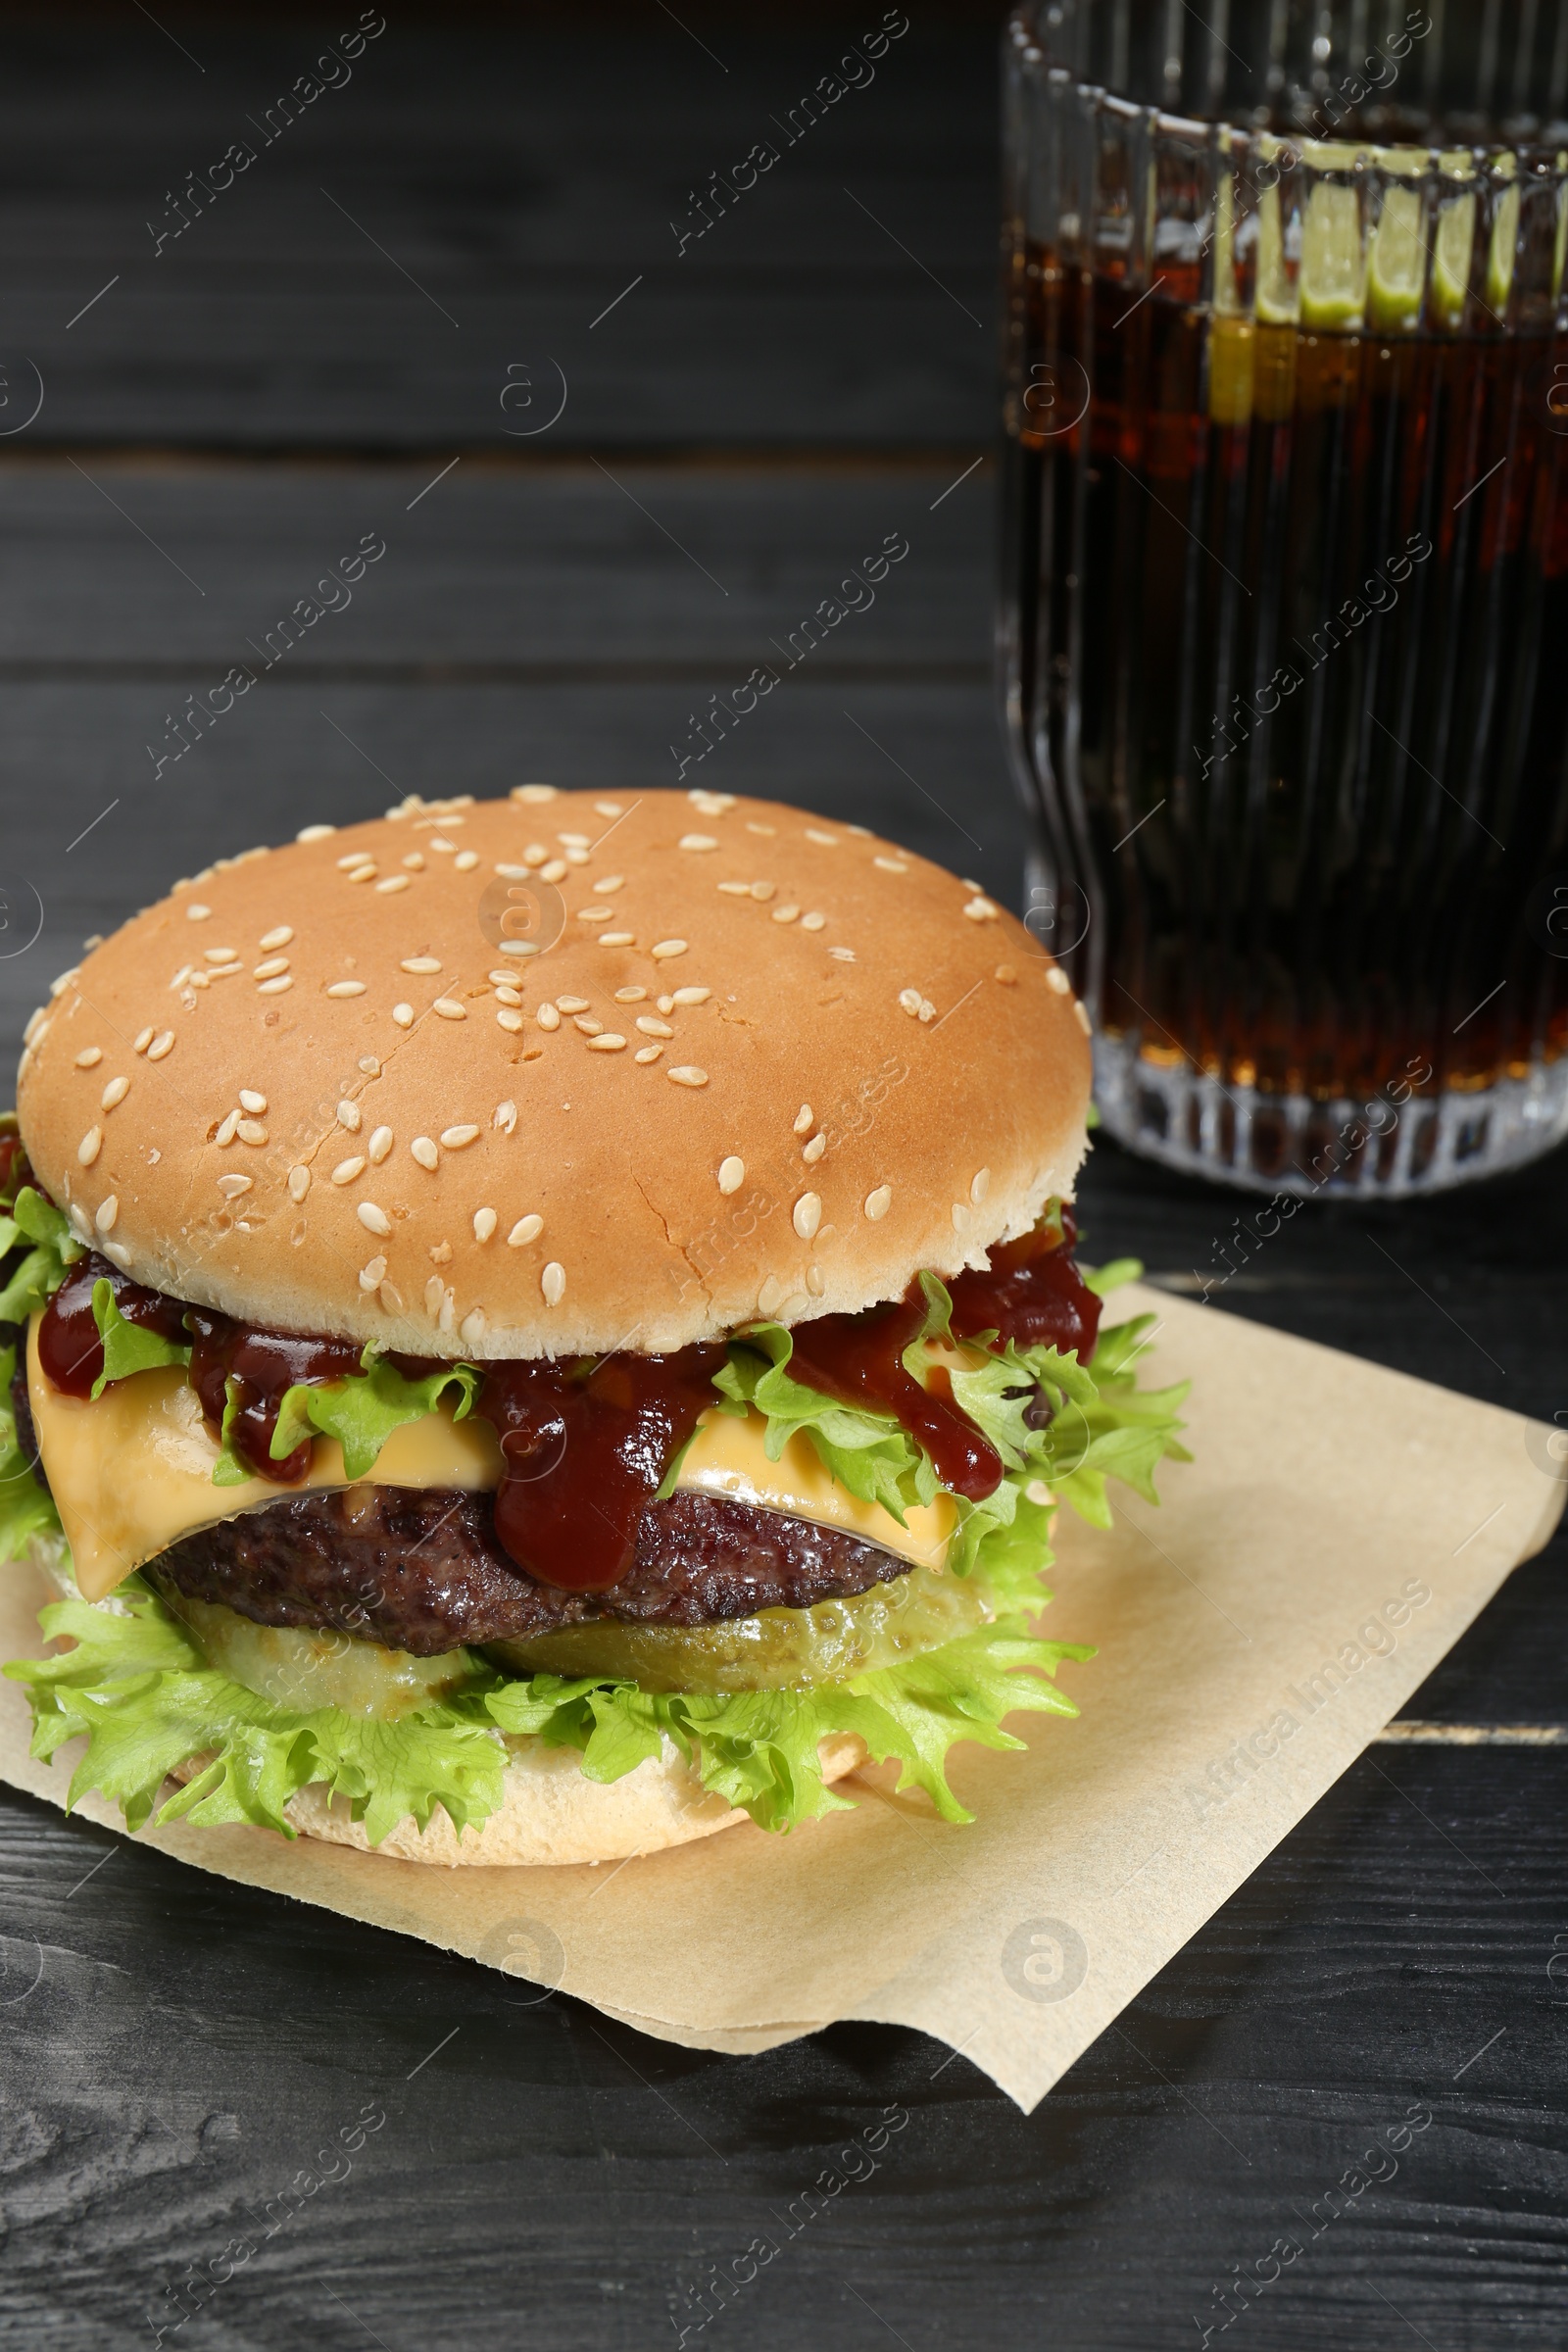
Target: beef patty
[421, 1569]
[418, 1568]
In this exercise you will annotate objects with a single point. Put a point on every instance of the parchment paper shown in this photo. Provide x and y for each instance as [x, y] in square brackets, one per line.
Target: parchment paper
[1339, 1529]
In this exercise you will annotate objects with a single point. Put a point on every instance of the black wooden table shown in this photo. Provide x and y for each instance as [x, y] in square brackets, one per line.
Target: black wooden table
[373, 329]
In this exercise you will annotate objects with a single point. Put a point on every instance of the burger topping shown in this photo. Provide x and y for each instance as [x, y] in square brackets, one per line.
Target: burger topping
[70, 1348]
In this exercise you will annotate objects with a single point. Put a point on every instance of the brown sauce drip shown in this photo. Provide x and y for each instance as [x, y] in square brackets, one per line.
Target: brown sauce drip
[1031, 1294]
[262, 1364]
[585, 1455]
[69, 1350]
[859, 1360]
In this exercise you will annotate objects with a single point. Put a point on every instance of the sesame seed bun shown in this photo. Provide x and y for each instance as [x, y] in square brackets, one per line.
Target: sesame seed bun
[558, 1074]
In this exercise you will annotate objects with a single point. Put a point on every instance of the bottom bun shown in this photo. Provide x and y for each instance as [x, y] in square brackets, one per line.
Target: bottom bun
[551, 1813]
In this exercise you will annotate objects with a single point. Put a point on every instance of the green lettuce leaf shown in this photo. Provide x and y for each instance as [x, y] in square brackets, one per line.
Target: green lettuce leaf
[363, 1409]
[127, 1346]
[867, 1452]
[140, 1691]
[757, 1749]
[39, 1274]
[25, 1511]
[147, 1701]
[230, 1468]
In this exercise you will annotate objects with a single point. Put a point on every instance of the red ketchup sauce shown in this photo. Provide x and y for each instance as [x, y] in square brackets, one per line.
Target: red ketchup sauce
[261, 1365]
[859, 1360]
[585, 1456]
[1032, 1293]
[69, 1350]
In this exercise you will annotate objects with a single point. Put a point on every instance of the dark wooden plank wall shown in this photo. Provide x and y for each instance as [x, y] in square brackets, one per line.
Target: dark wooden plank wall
[233, 412]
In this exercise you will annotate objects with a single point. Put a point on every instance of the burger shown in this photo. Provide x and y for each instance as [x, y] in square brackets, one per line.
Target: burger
[540, 1329]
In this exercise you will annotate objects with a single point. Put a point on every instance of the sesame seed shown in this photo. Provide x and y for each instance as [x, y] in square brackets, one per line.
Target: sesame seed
[57, 986]
[315, 832]
[807, 1215]
[647, 1052]
[610, 809]
[113, 1094]
[347, 988]
[347, 1170]
[815, 1150]
[736, 890]
[685, 1073]
[415, 862]
[369, 1066]
[349, 1115]
[501, 980]
[651, 1028]
[609, 884]
[227, 1130]
[805, 1119]
[394, 882]
[505, 1116]
[842, 955]
[449, 1009]
[698, 840]
[420, 963]
[275, 939]
[666, 1004]
[573, 1004]
[37, 1023]
[690, 995]
[363, 873]
[891, 866]
[230, 1186]
[813, 921]
[878, 1203]
[547, 1017]
[275, 988]
[270, 969]
[552, 1282]
[770, 1297]
[506, 994]
[403, 1015]
[1008, 978]
[731, 1174]
[532, 792]
[816, 1281]
[588, 1025]
[1056, 978]
[144, 1038]
[666, 947]
[448, 1310]
[196, 912]
[535, 854]
[980, 911]
[471, 1326]
[107, 1212]
[250, 1100]
[909, 1000]
[711, 804]
[432, 1296]
[554, 871]
[91, 1143]
[455, 1137]
[93, 1054]
[786, 914]
[960, 1217]
[574, 840]
[928, 1011]
[251, 1131]
[441, 1255]
[371, 1276]
[220, 955]
[769, 831]
[618, 939]
[595, 914]
[160, 1045]
[527, 1229]
[512, 1021]
[980, 1185]
[762, 892]
[610, 1043]
[373, 1219]
[299, 1181]
[222, 971]
[354, 857]
[485, 1222]
[1082, 1012]
[829, 841]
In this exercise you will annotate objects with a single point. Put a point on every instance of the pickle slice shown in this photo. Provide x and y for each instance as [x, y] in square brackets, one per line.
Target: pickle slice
[778, 1649]
[301, 1669]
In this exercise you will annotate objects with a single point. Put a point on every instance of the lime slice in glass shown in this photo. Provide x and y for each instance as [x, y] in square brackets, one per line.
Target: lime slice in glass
[1500, 254]
[1450, 260]
[1398, 265]
[1333, 285]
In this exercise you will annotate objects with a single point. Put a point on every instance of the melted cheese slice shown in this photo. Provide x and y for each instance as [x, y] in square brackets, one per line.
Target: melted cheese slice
[131, 1472]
